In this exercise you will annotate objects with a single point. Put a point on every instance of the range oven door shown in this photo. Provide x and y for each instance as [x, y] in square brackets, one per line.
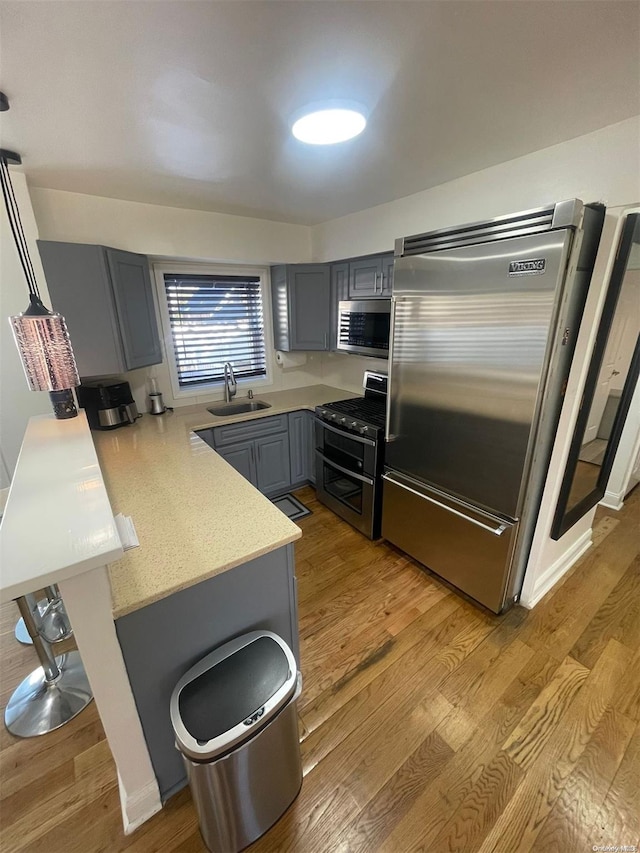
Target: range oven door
[351, 496]
[346, 478]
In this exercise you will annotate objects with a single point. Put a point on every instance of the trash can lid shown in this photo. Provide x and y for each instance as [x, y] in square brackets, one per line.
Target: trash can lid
[223, 700]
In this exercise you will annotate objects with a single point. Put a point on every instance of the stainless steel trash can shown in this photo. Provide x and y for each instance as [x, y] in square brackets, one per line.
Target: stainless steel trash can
[235, 720]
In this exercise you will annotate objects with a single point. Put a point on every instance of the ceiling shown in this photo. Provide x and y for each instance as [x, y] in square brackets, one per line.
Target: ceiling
[188, 103]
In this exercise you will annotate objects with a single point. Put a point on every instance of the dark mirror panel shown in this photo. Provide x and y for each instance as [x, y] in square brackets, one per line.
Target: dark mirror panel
[611, 381]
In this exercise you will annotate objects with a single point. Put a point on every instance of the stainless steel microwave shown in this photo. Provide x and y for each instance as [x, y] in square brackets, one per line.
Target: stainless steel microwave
[363, 327]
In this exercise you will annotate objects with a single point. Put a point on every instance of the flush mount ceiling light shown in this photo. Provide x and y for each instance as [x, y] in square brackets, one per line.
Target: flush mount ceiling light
[329, 125]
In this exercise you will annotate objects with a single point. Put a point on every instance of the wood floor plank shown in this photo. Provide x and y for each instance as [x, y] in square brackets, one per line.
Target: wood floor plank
[538, 725]
[427, 723]
[478, 811]
[548, 769]
[383, 811]
[617, 618]
[570, 822]
[428, 633]
[619, 817]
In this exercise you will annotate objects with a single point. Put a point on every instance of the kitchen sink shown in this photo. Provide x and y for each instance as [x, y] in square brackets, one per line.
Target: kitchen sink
[229, 409]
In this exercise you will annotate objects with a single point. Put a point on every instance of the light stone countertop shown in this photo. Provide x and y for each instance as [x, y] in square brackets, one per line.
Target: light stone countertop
[194, 514]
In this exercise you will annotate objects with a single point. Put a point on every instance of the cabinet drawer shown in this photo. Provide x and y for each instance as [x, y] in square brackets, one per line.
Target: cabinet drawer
[245, 430]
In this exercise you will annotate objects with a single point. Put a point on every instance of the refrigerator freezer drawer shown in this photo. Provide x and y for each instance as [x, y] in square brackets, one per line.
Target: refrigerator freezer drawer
[467, 547]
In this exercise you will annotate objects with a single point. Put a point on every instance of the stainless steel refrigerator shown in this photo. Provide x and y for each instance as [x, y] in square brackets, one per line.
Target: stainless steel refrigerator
[484, 324]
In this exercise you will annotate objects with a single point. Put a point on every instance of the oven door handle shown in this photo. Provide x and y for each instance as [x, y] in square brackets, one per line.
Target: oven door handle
[342, 470]
[345, 434]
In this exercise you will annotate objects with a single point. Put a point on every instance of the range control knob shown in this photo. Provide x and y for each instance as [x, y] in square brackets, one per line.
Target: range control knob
[334, 417]
[323, 412]
[364, 429]
[354, 424]
[343, 420]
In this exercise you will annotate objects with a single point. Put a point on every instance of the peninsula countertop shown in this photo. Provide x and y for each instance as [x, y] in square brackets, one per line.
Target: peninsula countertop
[195, 515]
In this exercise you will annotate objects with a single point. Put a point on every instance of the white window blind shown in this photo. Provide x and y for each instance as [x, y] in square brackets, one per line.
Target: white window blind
[215, 319]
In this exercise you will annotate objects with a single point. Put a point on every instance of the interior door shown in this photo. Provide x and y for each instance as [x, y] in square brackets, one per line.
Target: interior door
[471, 339]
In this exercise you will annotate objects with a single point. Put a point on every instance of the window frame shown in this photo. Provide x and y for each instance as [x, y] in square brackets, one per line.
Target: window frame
[162, 268]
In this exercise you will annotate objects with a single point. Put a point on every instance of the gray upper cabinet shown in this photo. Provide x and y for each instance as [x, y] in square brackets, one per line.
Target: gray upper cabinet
[301, 296]
[387, 275]
[371, 277]
[134, 304]
[106, 298]
[339, 291]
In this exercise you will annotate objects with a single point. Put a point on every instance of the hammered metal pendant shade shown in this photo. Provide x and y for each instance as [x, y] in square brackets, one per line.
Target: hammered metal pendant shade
[45, 351]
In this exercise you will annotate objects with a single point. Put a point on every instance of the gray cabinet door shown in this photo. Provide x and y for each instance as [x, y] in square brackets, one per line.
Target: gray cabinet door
[272, 463]
[339, 291]
[242, 458]
[309, 290]
[311, 446]
[299, 446]
[300, 301]
[134, 304]
[387, 275]
[280, 309]
[365, 278]
[106, 298]
[79, 285]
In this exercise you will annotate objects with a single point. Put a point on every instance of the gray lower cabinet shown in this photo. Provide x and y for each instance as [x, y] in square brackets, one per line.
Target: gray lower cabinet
[272, 463]
[274, 453]
[241, 457]
[161, 641]
[106, 298]
[301, 446]
[371, 277]
[257, 449]
[300, 296]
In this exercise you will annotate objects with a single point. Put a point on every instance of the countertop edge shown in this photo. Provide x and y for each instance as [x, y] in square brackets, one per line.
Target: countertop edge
[260, 552]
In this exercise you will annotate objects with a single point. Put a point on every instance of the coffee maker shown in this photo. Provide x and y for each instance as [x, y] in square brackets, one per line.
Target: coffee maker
[108, 406]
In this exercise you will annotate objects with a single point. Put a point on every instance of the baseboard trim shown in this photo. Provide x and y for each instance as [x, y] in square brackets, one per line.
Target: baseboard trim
[613, 500]
[138, 807]
[557, 569]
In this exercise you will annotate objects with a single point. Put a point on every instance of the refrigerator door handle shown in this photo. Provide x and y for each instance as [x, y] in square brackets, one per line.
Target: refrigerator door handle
[497, 531]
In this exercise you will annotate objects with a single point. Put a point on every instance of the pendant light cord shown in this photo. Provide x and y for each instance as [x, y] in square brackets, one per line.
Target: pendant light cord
[15, 222]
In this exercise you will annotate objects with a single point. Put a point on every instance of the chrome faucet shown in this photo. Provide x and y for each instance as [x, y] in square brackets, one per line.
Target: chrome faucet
[230, 384]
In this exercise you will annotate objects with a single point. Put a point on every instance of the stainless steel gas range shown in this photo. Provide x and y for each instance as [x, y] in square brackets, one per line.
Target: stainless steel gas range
[349, 457]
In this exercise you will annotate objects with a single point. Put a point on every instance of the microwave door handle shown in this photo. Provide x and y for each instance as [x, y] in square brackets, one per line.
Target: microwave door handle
[342, 470]
[360, 439]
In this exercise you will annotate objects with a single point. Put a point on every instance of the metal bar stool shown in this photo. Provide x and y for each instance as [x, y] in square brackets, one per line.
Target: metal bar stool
[54, 693]
[54, 623]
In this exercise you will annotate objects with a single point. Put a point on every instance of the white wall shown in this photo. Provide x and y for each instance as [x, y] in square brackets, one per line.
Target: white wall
[17, 402]
[601, 166]
[170, 232]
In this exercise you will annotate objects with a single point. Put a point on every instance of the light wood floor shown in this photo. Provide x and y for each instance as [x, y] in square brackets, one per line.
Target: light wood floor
[426, 723]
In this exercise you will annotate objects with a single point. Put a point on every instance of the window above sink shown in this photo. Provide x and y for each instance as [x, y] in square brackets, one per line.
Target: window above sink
[211, 315]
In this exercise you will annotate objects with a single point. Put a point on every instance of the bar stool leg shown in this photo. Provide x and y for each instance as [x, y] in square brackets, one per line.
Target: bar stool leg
[53, 624]
[53, 694]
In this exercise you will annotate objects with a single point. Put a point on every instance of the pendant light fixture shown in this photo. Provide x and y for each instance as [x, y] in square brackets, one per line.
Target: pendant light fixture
[40, 335]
